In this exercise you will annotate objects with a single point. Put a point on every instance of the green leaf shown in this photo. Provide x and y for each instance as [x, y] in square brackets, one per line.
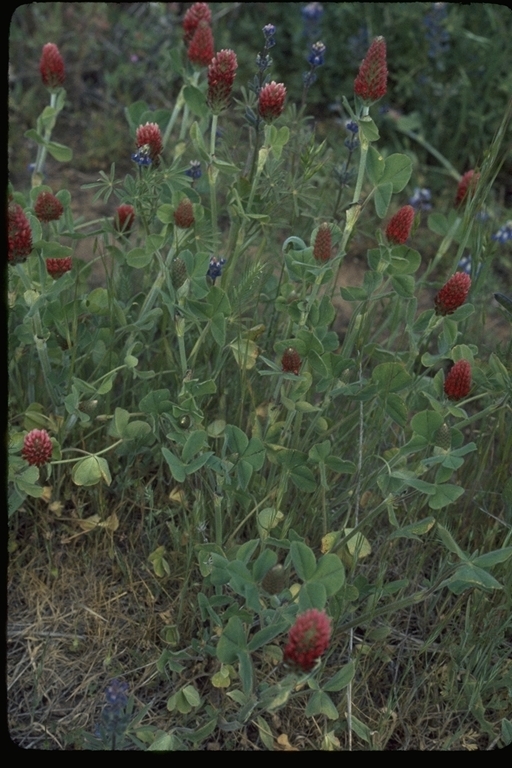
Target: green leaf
[374, 165]
[195, 100]
[264, 562]
[90, 471]
[60, 152]
[492, 558]
[426, 424]
[303, 559]
[195, 442]
[396, 408]
[232, 641]
[438, 223]
[341, 466]
[449, 542]
[368, 129]
[404, 260]
[265, 733]
[138, 258]
[312, 595]
[361, 730]
[382, 198]
[176, 466]
[265, 635]
[468, 576]
[397, 171]
[341, 679]
[246, 671]
[391, 377]
[156, 402]
[320, 703]
[414, 529]
[506, 731]
[268, 518]
[444, 495]
[330, 573]
[404, 285]
[353, 293]
[191, 695]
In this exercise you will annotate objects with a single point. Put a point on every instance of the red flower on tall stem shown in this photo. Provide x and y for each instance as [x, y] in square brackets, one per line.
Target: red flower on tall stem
[221, 76]
[271, 101]
[201, 48]
[51, 66]
[371, 81]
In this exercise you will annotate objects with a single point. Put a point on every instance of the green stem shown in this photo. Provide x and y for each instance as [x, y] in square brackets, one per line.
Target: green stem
[100, 453]
[212, 178]
[42, 149]
[180, 101]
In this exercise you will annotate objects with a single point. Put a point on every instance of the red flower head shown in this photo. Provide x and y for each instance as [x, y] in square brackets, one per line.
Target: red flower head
[290, 361]
[453, 294]
[371, 81]
[271, 101]
[19, 235]
[184, 214]
[200, 50]
[51, 66]
[37, 447]
[466, 185]
[196, 13]
[57, 267]
[308, 639]
[124, 218]
[458, 382]
[221, 75]
[150, 136]
[399, 227]
[48, 207]
[323, 243]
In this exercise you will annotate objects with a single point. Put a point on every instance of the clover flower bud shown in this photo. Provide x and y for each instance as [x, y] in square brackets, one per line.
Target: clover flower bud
[371, 81]
[399, 227]
[308, 639]
[124, 218]
[466, 187]
[184, 214]
[322, 249]
[453, 294]
[19, 234]
[51, 66]
[149, 139]
[37, 447]
[271, 101]
[48, 207]
[221, 76]
[58, 267]
[195, 14]
[290, 361]
[458, 382]
[201, 48]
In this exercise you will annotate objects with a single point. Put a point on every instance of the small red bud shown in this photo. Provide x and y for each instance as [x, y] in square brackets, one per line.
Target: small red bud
[290, 361]
[399, 227]
[458, 382]
[453, 294]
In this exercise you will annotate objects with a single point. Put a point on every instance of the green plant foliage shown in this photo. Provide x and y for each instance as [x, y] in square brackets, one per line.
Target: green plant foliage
[247, 429]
